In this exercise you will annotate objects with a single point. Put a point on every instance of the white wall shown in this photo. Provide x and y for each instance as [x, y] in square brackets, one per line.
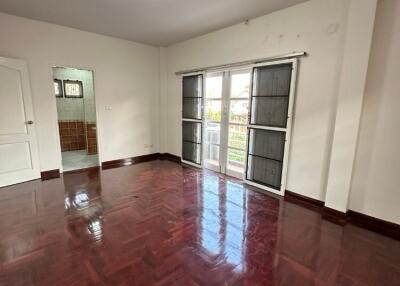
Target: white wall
[375, 184]
[357, 48]
[317, 27]
[125, 79]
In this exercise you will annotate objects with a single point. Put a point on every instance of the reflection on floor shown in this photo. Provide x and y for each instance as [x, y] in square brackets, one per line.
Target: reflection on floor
[74, 160]
[160, 223]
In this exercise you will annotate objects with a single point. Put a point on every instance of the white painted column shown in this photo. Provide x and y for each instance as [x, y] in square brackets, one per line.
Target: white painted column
[162, 103]
[358, 38]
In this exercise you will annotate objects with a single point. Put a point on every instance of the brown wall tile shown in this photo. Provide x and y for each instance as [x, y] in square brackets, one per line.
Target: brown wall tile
[72, 135]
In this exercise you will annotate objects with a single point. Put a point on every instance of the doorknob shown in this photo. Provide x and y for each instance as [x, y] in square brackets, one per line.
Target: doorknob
[29, 122]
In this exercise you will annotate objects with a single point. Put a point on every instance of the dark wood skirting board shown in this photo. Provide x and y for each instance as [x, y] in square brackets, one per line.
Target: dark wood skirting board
[334, 216]
[303, 200]
[375, 224]
[140, 159]
[50, 174]
[88, 169]
[170, 157]
[129, 161]
[378, 225]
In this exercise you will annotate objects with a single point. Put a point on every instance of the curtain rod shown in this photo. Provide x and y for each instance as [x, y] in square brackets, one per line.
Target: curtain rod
[255, 61]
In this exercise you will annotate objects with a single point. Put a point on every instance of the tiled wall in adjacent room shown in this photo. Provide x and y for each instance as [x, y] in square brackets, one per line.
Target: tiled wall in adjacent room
[69, 109]
[72, 135]
[77, 116]
[91, 138]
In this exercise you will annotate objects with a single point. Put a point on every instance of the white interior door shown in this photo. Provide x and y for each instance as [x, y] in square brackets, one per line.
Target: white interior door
[19, 160]
[226, 113]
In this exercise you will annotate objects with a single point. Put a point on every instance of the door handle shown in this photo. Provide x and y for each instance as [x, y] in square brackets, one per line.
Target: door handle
[29, 122]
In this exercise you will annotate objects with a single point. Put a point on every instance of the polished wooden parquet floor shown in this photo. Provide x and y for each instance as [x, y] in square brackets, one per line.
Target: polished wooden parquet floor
[158, 223]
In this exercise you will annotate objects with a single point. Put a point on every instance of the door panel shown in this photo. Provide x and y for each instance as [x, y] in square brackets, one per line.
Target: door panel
[269, 111]
[19, 160]
[237, 137]
[270, 107]
[239, 111]
[191, 137]
[15, 157]
[238, 104]
[211, 155]
[240, 84]
[236, 160]
[213, 117]
[264, 171]
[191, 152]
[192, 86]
[273, 81]
[192, 115]
[266, 143]
[212, 133]
[266, 149]
[11, 99]
[192, 97]
[191, 132]
[226, 115]
[192, 108]
[213, 110]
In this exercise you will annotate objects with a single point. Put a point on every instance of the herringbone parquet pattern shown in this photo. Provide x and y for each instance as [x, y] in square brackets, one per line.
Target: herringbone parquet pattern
[158, 223]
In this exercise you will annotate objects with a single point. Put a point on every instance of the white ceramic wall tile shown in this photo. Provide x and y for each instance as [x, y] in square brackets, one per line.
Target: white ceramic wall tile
[73, 108]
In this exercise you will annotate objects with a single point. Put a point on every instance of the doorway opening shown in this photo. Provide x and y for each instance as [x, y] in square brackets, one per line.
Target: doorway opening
[76, 112]
[226, 112]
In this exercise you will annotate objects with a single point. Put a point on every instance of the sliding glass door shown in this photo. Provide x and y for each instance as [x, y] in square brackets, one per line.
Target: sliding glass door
[192, 117]
[269, 125]
[238, 110]
[241, 125]
[225, 120]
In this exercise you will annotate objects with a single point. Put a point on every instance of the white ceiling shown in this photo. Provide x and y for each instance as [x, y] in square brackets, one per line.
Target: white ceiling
[154, 22]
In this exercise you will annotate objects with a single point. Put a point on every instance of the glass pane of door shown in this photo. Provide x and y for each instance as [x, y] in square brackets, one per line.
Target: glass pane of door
[237, 120]
[191, 141]
[237, 137]
[238, 111]
[240, 84]
[192, 97]
[266, 149]
[213, 117]
[212, 143]
[270, 99]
